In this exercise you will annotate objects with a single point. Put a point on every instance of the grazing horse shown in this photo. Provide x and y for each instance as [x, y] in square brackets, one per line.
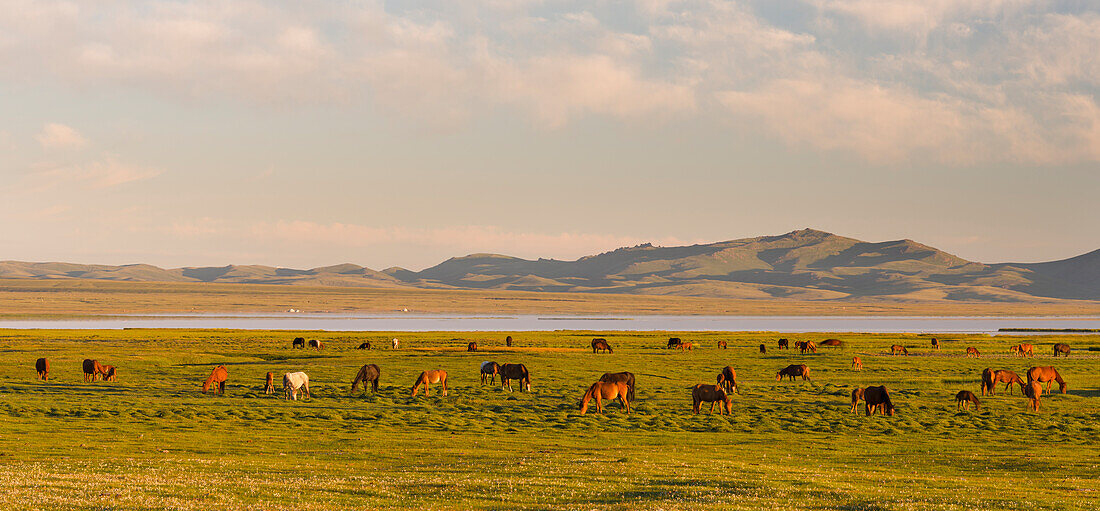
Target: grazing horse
[935, 344]
[857, 364]
[109, 373]
[217, 378]
[367, 373]
[365, 346]
[727, 379]
[965, 398]
[835, 343]
[599, 345]
[1006, 377]
[269, 383]
[722, 344]
[43, 367]
[784, 344]
[298, 342]
[1034, 391]
[1062, 348]
[433, 376]
[472, 346]
[602, 390]
[877, 398]
[623, 377]
[970, 350]
[1046, 375]
[805, 346]
[489, 371]
[674, 342]
[508, 341]
[394, 344]
[710, 394]
[987, 381]
[509, 372]
[686, 346]
[897, 348]
[293, 382]
[92, 369]
[857, 394]
[763, 349]
[794, 370]
[1023, 349]
[317, 345]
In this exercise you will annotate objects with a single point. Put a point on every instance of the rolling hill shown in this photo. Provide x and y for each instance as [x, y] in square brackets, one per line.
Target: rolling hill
[805, 265]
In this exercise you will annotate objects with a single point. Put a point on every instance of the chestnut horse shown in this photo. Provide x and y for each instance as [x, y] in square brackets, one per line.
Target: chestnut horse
[317, 345]
[1046, 375]
[368, 373]
[898, 349]
[987, 381]
[217, 377]
[710, 394]
[269, 384]
[727, 379]
[472, 346]
[1006, 377]
[43, 367]
[686, 346]
[92, 369]
[722, 344]
[965, 398]
[674, 342]
[970, 350]
[599, 345]
[794, 370]
[489, 371]
[835, 343]
[805, 346]
[433, 376]
[1034, 391]
[857, 394]
[857, 364]
[935, 344]
[365, 346]
[878, 398]
[509, 372]
[623, 377]
[1062, 348]
[293, 382]
[1022, 350]
[395, 344]
[109, 373]
[763, 349]
[784, 344]
[298, 342]
[602, 390]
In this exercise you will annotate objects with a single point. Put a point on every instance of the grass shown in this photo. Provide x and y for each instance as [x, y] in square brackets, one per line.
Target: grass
[151, 440]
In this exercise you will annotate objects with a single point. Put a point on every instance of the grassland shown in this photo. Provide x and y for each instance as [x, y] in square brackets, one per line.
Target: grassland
[44, 298]
[151, 440]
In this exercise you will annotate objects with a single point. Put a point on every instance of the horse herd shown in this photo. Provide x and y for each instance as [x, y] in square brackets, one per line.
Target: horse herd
[621, 386]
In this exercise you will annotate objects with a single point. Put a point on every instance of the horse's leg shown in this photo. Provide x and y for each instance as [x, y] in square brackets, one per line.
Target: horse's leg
[444, 387]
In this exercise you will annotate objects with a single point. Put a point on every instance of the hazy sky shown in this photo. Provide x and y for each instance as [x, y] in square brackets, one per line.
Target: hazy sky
[307, 133]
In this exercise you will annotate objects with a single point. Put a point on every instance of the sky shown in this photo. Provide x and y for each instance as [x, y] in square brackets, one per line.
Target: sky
[309, 133]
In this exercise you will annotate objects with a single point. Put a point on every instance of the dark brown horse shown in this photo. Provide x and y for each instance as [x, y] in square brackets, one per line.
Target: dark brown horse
[965, 398]
[935, 344]
[727, 379]
[109, 373]
[722, 344]
[674, 342]
[43, 367]
[898, 350]
[602, 390]
[599, 345]
[217, 378]
[1062, 348]
[1046, 375]
[987, 381]
[805, 346]
[368, 373]
[970, 350]
[833, 343]
[792, 371]
[428, 377]
[763, 349]
[489, 372]
[508, 341]
[877, 398]
[623, 377]
[509, 372]
[784, 344]
[269, 383]
[703, 393]
[471, 346]
[317, 345]
[365, 346]
[298, 342]
[92, 369]
[1008, 378]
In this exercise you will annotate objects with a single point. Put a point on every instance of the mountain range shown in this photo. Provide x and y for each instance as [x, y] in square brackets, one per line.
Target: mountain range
[806, 265]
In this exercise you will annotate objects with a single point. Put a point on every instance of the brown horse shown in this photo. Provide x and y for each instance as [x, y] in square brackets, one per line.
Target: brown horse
[805, 346]
[1006, 377]
[489, 372]
[686, 346]
[623, 377]
[833, 343]
[1046, 375]
[857, 364]
[472, 346]
[703, 393]
[509, 372]
[602, 390]
[109, 373]
[298, 342]
[674, 342]
[722, 344]
[794, 370]
[727, 379]
[763, 349]
[427, 377]
[970, 350]
[217, 378]
[877, 398]
[43, 367]
[784, 344]
[365, 346]
[317, 345]
[508, 341]
[269, 383]
[935, 344]
[599, 345]
[1062, 348]
[965, 398]
[1023, 350]
[987, 381]
[857, 395]
[898, 349]
[368, 373]
[1034, 391]
[92, 369]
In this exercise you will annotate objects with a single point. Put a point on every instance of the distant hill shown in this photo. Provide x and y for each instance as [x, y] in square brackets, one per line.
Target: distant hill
[806, 265]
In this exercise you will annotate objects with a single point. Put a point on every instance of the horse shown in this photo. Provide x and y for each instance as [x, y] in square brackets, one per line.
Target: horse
[674, 342]
[857, 364]
[269, 384]
[835, 343]
[1062, 348]
[711, 394]
[784, 344]
[317, 345]
[433, 376]
[935, 344]
[293, 382]
[794, 370]
[877, 398]
[364, 346]
[965, 398]
[599, 345]
[508, 341]
[987, 381]
[970, 350]
[92, 369]
[489, 371]
[763, 349]
[509, 372]
[727, 379]
[298, 342]
[686, 346]
[896, 349]
[471, 346]
[367, 373]
[42, 365]
[1046, 375]
[623, 377]
[722, 344]
[394, 344]
[1022, 350]
[805, 346]
[217, 377]
[1006, 377]
[857, 394]
[1034, 391]
[109, 373]
[602, 390]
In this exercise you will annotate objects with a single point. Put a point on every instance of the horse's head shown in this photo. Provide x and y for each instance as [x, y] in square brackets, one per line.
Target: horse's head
[1062, 387]
[779, 376]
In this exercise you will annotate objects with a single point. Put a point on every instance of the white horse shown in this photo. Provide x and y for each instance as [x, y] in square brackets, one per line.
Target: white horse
[294, 381]
[395, 343]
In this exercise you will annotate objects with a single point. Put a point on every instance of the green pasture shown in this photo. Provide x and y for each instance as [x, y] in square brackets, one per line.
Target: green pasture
[151, 440]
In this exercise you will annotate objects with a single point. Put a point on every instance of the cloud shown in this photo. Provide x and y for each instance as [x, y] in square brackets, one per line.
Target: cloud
[60, 136]
[107, 172]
